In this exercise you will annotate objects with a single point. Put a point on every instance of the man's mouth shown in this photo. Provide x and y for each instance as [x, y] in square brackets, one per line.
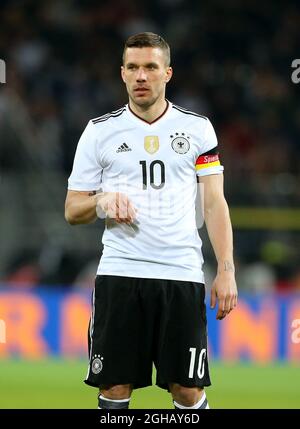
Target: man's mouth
[141, 90]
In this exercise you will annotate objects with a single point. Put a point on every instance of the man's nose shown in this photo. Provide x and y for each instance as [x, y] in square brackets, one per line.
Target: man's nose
[141, 75]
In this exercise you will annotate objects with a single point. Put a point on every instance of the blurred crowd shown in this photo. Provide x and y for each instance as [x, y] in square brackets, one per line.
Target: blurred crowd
[232, 62]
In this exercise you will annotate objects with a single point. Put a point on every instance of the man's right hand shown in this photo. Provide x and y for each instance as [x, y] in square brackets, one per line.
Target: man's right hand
[117, 206]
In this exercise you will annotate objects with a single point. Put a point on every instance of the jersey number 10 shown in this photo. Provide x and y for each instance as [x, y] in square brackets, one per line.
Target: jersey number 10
[153, 171]
[201, 362]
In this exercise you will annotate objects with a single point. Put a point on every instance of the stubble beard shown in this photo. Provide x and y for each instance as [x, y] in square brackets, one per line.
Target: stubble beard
[143, 103]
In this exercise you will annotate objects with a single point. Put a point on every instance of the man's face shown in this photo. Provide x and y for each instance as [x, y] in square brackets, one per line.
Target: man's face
[145, 74]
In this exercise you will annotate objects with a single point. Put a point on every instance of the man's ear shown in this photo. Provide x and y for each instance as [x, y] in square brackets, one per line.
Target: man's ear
[123, 74]
[169, 74]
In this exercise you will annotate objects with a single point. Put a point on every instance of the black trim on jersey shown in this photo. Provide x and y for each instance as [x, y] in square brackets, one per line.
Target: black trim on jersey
[113, 114]
[213, 151]
[109, 113]
[150, 123]
[188, 112]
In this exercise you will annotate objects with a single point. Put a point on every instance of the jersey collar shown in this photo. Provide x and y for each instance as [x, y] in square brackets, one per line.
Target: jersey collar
[137, 119]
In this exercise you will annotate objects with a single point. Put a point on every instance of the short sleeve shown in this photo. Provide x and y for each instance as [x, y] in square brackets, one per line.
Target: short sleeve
[87, 172]
[208, 161]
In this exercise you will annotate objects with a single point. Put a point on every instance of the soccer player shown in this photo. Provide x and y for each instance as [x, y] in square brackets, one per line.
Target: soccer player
[138, 167]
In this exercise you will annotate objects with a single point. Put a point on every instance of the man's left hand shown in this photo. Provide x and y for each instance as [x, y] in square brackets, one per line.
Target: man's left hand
[224, 290]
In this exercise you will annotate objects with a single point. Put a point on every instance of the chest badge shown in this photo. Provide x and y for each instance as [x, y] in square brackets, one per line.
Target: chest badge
[151, 144]
[180, 144]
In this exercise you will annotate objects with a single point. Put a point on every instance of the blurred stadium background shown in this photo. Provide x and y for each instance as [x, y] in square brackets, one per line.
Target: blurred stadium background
[232, 62]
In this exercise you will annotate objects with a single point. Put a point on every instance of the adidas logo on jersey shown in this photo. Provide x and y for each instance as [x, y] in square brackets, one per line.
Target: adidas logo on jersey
[124, 148]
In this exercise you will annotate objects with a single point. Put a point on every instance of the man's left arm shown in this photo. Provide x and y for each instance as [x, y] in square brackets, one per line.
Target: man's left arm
[218, 224]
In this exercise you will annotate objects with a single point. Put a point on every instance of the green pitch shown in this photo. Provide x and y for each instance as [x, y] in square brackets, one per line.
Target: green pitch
[58, 384]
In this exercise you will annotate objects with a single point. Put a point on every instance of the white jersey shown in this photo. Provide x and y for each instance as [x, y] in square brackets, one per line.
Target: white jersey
[156, 165]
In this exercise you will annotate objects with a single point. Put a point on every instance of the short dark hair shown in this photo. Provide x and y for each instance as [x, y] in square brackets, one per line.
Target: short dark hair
[148, 40]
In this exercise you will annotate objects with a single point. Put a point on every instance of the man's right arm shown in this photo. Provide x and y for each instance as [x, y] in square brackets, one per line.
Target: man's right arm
[81, 207]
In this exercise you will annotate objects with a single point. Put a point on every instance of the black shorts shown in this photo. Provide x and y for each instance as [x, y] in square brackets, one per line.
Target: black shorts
[136, 322]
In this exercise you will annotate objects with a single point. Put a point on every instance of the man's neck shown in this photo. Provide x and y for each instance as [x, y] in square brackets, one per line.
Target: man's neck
[151, 113]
